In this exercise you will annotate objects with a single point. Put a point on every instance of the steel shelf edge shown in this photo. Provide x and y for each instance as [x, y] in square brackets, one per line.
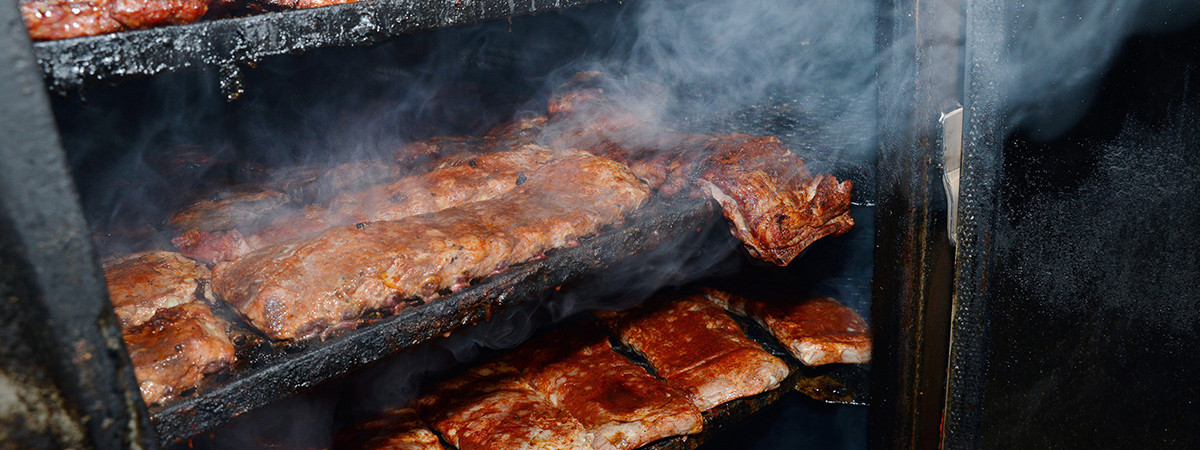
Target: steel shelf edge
[224, 43]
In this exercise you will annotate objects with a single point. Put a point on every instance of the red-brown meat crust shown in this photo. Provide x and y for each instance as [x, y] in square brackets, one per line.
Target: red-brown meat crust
[141, 284]
[62, 19]
[302, 287]
[456, 181]
[491, 407]
[230, 212]
[173, 350]
[699, 349]
[617, 401]
[397, 429]
[816, 330]
[774, 205]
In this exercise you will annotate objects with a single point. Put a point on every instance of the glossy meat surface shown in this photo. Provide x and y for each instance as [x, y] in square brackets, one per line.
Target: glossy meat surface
[301, 288]
[397, 429]
[491, 407]
[816, 330]
[141, 284]
[773, 204]
[62, 19]
[617, 401]
[173, 350]
[456, 181]
[699, 349]
[231, 211]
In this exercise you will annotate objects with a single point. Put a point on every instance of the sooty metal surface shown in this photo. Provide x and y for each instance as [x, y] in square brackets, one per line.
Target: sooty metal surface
[224, 43]
[265, 373]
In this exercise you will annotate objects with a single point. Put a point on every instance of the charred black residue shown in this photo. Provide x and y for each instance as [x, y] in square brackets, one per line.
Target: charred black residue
[360, 225]
[521, 178]
[413, 301]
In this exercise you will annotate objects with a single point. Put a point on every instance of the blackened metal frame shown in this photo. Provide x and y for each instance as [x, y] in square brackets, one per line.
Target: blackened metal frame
[918, 80]
[225, 43]
[983, 144]
[62, 362]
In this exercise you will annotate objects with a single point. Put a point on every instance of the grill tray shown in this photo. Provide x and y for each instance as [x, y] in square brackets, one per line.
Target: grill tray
[266, 372]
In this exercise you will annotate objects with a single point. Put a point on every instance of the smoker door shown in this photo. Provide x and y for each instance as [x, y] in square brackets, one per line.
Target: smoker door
[1078, 291]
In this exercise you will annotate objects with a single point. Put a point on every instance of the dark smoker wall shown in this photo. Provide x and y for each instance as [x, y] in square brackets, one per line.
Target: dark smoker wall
[1096, 313]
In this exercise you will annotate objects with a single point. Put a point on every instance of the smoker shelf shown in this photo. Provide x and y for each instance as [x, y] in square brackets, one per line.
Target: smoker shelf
[225, 43]
[265, 373]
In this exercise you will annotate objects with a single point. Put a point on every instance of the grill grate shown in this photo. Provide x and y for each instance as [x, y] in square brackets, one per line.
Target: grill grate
[226, 43]
[265, 373]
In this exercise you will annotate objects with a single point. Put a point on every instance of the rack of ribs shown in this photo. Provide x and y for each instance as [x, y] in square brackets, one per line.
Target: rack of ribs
[395, 429]
[307, 286]
[491, 407]
[816, 330]
[698, 349]
[455, 182]
[774, 205]
[62, 19]
[172, 336]
[617, 401]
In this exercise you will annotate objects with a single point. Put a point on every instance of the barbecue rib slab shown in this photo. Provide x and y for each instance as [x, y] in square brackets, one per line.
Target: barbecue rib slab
[231, 211]
[172, 336]
[815, 330]
[141, 284]
[698, 349]
[774, 205]
[455, 182]
[173, 350]
[397, 429]
[303, 287]
[491, 407]
[245, 217]
[617, 401]
[62, 19]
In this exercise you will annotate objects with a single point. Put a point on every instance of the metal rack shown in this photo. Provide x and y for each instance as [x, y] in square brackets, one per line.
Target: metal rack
[229, 43]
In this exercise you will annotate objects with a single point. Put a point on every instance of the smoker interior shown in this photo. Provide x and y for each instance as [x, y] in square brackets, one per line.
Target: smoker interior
[334, 102]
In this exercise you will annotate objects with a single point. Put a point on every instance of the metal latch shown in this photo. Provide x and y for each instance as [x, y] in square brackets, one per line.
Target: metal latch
[952, 123]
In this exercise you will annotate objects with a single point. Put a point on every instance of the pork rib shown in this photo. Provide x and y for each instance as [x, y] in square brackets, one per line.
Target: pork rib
[62, 19]
[617, 401]
[816, 330]
[773, 204]
[698, 349]
[491, 407]
[396, 429]
[141, 284]
[161, 300]
[173, 350]
[456, 182]
[302, 287]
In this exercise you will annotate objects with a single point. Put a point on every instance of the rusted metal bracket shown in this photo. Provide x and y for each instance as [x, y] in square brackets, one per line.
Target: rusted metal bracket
[952, 166]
